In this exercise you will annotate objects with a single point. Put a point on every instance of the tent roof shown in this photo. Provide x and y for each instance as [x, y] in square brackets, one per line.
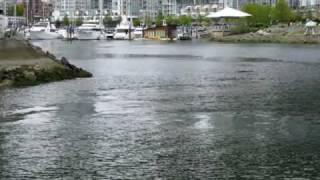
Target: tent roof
[311, 24]
[228, 13]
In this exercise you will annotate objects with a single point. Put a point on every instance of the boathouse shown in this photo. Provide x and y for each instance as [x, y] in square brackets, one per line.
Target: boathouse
[161, 33]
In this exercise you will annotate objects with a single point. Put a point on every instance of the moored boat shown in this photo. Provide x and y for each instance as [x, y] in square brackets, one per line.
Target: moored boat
[138, 33]
[90, 30]
[124, 31]
[42, 31]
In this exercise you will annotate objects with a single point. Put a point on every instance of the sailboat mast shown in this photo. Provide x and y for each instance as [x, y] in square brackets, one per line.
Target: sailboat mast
[100, 9]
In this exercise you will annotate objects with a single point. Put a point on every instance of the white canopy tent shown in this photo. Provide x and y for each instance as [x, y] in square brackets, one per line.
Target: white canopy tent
[228, 13]
[311, 24]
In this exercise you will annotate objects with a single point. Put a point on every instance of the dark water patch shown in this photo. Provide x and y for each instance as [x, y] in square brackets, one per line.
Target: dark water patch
[245, 71]
[161, 56]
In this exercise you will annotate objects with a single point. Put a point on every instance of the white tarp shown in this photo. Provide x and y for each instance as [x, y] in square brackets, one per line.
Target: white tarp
[228, 13]
[311, 24]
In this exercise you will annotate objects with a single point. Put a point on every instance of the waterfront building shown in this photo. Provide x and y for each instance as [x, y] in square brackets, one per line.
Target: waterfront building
[1, 7]
[161, 33]
[309, 4]
[38, 9]
[34, 9]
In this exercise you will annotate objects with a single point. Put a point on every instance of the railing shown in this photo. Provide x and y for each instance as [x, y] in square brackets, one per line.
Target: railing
[221, 27]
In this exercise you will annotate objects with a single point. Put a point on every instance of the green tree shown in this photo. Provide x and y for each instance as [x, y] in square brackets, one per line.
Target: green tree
[261, 14]
[172, 20]
[136, 22]
[282, 13]
[58, 23]
[159, 19]
[297, 16]
[108, 21]
[203, 20]
[20, 9]
[185, 20]
[65, 21]
[79, 21]
[309, 15]
[147, 20]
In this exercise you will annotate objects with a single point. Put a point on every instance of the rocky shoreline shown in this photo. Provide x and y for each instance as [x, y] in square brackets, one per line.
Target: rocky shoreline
[285, 35]
[22, 64]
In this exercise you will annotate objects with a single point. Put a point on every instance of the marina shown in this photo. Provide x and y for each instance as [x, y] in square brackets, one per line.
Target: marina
[159, 89]
[168, 111]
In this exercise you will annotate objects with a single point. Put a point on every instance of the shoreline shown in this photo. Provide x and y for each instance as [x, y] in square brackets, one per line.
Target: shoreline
[23, 64]
[280, 34]
[263, 40]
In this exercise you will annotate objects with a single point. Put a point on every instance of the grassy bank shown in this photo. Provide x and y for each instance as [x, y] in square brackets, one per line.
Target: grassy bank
[22, 64]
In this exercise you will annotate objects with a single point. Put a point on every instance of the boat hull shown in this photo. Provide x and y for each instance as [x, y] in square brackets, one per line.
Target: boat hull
[123, 36]
[42, 35]
[89, 35]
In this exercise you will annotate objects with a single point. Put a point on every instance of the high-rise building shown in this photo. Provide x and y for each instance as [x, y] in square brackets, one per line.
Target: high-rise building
[36, 10]
[169, 7]
[2, 7]
[106, 6]
[76, 8]
[129, 7]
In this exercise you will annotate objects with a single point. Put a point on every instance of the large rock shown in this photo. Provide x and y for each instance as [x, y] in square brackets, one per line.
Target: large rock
[23, 64]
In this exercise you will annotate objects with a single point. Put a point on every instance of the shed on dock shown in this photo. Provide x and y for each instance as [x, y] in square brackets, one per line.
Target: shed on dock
[161, 33]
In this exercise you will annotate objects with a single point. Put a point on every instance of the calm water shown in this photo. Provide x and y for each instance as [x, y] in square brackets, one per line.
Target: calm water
[158, 110]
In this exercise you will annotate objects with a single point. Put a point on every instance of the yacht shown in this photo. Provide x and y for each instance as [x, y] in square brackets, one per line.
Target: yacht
[122, 30]
[42, 31]
[64, 33]
[138, 33]
[90, 30]
[109, 33]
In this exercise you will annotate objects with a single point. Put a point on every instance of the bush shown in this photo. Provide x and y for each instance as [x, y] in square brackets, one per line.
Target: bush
[66, 21]
[185, 20]
[242, 28]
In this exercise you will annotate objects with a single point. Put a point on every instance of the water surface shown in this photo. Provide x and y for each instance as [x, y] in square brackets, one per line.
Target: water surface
[188, 110]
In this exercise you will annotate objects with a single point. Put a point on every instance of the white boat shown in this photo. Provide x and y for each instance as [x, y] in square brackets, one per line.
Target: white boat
[122, 30]
[109, 33]
[138, 33]
[90, 30]
[65, 35]
[42, 31]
